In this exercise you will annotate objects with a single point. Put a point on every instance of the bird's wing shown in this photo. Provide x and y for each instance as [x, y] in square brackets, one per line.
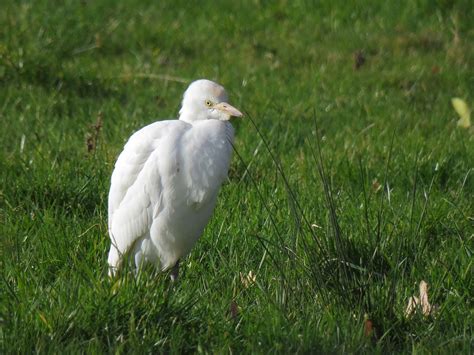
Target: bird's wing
[136, 184]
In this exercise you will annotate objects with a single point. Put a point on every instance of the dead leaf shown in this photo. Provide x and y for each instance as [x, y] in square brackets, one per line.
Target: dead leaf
[92, 136]
[376, 185]
[368, 327]
[463, 110]
[415, 303]
[425, 304]
[359, 59]
[98, 40]
[234, 309]
[248, 280]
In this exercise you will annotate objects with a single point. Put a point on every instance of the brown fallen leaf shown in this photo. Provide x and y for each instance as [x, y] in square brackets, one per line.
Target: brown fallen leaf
[435, 69]
[234, 309]
[376, 185]
[92, 137]
[359, 59]
[368, 327]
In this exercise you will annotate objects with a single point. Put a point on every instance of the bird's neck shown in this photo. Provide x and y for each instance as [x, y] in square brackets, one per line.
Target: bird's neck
[190, 116]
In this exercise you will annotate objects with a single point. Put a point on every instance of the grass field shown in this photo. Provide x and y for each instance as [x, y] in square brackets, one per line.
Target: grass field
[352, 181]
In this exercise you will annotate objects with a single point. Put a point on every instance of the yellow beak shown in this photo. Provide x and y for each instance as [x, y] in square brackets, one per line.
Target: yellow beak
[229, 109]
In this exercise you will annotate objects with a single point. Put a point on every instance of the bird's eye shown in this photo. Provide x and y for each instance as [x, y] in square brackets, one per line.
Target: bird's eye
[208, 103]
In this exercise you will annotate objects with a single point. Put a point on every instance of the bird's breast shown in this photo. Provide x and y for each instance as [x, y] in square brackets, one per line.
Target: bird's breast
[205, 159]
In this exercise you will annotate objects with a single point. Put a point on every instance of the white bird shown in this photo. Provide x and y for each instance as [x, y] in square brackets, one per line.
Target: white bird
[166, 180]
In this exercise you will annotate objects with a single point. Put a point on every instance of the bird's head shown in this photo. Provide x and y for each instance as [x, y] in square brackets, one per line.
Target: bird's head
[206, 100]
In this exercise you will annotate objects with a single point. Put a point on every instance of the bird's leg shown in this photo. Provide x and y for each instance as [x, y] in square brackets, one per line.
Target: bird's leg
[175, 272]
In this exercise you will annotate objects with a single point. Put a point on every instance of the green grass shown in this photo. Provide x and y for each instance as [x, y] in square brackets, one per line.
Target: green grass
[359, 183]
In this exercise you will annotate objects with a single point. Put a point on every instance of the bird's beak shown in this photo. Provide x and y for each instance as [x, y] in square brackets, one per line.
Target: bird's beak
[228, 109]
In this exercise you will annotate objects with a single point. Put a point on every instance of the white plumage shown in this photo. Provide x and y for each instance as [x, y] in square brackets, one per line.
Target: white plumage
[166, 180]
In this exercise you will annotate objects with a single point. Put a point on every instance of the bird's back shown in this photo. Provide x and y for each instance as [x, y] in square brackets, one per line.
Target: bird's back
[137, 151]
